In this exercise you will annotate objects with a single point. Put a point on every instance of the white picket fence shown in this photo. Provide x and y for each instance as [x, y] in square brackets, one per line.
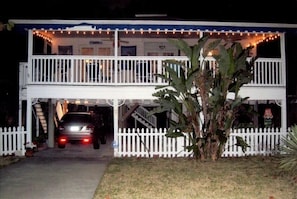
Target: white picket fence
[153, 143]
[12, 141]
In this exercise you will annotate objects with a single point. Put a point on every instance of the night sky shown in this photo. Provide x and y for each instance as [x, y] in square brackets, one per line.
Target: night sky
[219, 10]
[13, 47]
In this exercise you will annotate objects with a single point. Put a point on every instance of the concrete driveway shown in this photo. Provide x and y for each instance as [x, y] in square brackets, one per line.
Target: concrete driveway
[53, 173]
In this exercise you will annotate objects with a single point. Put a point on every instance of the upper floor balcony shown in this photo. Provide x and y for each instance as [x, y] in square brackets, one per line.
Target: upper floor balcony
[126, 70]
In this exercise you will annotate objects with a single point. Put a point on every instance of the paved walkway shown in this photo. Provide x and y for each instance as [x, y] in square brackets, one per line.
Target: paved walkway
[53, 173]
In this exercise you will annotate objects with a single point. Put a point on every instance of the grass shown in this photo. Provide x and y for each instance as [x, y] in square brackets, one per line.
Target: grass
[8, 160]
[182, 178]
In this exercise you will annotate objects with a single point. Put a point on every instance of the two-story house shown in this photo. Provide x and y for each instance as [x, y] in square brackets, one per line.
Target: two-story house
[110, 65]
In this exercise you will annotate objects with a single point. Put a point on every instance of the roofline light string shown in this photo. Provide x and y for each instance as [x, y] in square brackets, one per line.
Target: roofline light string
[266, 36]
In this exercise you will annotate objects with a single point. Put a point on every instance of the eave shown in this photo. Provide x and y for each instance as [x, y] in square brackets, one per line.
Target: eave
[89, 25]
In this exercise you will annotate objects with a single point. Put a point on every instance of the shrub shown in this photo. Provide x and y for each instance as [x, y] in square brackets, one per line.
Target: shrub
[288, 161]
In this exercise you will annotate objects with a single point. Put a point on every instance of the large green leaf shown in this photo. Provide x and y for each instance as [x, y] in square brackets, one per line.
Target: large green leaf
[289, 150]
[199, 89]
[242, 143]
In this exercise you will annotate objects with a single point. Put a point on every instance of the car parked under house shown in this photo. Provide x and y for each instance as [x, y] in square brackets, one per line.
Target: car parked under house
[112, 63]
[80, 127]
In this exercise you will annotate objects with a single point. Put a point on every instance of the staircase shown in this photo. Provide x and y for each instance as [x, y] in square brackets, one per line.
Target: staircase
[40, 115]
[141, 115]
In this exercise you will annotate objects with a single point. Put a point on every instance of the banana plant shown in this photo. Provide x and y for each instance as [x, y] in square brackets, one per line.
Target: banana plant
[198, 93]
[233, 72]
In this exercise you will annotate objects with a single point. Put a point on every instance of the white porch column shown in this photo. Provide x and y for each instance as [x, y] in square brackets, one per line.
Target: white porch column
[284, 115]
[29, 120]
[115, 126]
[116, 103]
[51, 128]
[21, 80]
[20, 114]
[116, 42]
[284, 69]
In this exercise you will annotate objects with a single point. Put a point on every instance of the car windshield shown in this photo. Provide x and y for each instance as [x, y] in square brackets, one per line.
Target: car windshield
[76, 118]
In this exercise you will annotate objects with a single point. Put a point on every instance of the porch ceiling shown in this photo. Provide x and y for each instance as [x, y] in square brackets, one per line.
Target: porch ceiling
[229, 35]
[106, 102]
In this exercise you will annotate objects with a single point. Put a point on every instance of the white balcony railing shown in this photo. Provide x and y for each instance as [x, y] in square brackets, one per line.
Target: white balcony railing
[124, 70]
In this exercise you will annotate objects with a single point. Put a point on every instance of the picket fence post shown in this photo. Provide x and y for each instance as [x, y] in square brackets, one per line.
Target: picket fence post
[153, 143]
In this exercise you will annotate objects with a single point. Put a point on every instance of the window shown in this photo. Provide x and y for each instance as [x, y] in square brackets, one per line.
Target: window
[103, 51]
[65, 50]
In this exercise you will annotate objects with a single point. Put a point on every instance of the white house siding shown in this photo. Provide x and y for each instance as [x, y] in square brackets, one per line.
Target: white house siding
[130, 92]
